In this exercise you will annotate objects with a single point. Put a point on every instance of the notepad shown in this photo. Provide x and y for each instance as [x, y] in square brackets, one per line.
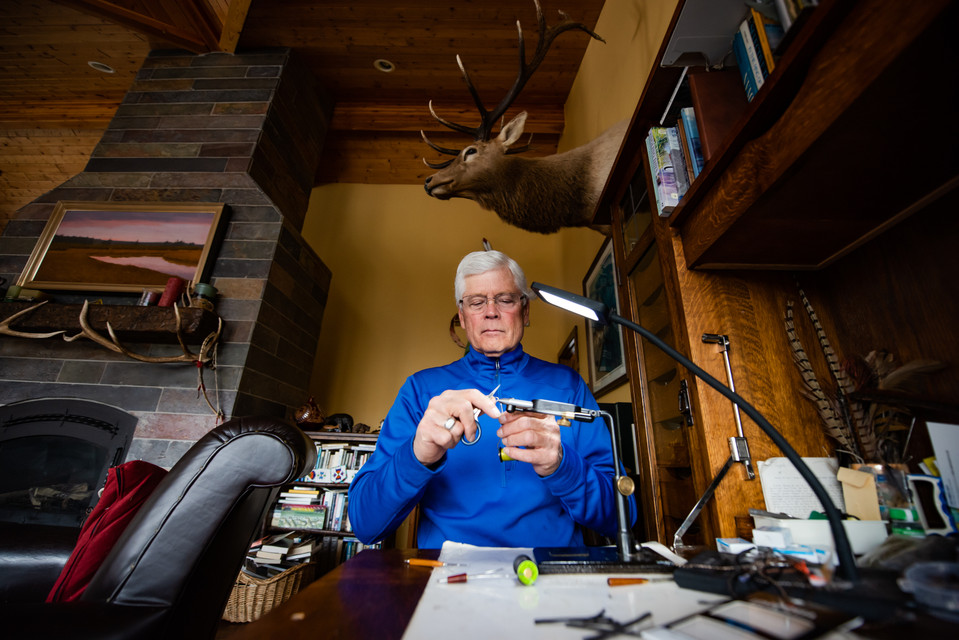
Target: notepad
[785, 491]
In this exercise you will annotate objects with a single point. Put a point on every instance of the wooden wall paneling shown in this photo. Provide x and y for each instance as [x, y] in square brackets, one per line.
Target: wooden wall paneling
[749, 310]
[36, 161]
[898, 293]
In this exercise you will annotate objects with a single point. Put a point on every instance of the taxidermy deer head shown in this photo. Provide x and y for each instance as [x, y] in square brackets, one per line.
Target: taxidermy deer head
[536, 194]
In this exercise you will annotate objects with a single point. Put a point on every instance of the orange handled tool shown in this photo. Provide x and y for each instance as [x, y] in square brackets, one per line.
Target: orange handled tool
[424, 562]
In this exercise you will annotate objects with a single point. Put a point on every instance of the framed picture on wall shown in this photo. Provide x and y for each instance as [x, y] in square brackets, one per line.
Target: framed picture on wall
[119, 246]
[604, 343]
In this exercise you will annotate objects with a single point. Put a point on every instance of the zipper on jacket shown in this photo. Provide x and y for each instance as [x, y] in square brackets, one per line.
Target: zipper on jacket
[508, 465]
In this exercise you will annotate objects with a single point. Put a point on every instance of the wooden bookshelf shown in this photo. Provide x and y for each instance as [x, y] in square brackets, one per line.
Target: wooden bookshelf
[329, 437]
[838, 177]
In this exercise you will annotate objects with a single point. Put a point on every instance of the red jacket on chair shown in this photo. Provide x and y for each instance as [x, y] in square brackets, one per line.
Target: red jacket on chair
[127, 487]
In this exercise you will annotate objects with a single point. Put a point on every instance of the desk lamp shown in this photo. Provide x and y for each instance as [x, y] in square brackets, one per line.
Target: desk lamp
[601, 314]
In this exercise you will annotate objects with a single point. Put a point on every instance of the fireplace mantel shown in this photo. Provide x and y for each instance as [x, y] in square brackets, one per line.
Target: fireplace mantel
[130, 323]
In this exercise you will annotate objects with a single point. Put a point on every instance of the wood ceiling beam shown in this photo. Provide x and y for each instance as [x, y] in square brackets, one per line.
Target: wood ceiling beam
[233, 24]
[175, 34]
[351, 116]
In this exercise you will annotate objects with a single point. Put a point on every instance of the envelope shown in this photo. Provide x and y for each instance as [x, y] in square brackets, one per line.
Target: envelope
[859, 493]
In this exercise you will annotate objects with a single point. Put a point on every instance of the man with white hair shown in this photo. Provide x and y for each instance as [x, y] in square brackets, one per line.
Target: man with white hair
[431, 451]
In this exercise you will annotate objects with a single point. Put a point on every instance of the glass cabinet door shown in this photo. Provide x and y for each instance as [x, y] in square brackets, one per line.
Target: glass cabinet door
[666, 468]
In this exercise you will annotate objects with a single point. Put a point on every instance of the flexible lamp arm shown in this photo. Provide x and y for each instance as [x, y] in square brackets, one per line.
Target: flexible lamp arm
[599, 312]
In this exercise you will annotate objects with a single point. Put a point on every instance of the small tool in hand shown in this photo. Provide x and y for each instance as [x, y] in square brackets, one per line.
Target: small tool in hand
[476, 412]
[426, 562]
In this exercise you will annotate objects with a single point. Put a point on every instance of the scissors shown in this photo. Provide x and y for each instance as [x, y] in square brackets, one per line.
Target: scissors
[479, 431]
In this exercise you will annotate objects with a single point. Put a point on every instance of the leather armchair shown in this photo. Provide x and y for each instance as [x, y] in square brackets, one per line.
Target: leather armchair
[173, 568]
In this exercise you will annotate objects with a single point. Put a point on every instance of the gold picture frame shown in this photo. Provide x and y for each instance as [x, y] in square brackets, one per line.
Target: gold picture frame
[123, 247]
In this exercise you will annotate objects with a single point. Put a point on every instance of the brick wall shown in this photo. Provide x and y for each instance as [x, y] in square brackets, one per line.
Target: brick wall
[246, 130]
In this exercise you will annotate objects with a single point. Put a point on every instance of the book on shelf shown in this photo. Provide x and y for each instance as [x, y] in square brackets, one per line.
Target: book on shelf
[694, 151]
[684, 143]
[280, 545]
[268, 557]
[792, 13]
[299, 517]
[296, 498]
[304, 491]
[766, 34]
[747, 70]
[661, 171]
[679, 161]
[753, 46]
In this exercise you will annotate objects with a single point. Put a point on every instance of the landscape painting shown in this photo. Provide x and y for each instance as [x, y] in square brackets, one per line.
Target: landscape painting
[122, 247]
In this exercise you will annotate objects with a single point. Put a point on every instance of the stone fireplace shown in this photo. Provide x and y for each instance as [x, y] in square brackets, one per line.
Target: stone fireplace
[245, 130]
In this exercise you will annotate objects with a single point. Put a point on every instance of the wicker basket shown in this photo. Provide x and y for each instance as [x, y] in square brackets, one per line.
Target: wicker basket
[252, 597]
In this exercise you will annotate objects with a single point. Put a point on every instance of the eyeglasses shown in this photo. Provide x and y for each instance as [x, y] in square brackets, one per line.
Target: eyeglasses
[503, 302]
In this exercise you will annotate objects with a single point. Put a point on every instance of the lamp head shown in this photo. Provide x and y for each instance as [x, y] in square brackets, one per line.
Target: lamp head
[590, 309]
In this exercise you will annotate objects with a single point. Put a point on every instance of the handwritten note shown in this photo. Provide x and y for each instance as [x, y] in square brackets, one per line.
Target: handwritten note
[785, 491]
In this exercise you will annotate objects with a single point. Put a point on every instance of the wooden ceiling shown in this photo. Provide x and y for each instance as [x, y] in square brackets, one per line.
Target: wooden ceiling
[54, 106]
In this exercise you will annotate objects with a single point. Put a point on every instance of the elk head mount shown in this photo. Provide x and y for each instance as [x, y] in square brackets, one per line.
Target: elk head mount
[535, 194]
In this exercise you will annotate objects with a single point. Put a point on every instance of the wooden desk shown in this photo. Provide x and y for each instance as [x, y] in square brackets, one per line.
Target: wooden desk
[373, 595]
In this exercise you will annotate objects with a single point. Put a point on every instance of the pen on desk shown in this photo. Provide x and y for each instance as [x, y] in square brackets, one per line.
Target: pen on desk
[425, 562]
[621, 582]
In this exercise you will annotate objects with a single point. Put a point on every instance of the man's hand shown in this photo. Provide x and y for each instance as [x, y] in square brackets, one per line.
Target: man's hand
[537, 432]
[432, 438]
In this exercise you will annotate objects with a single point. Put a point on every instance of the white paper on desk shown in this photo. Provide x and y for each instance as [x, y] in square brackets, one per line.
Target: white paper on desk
[504, 608]
[945, 444]
[785, 491]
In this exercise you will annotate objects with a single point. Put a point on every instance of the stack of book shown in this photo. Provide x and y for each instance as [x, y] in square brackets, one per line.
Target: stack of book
[274, 554]
[753, 46]
[675, 160]
[300, 507]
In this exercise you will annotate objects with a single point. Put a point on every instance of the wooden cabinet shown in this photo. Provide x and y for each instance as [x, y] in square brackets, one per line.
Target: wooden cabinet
[853, 133]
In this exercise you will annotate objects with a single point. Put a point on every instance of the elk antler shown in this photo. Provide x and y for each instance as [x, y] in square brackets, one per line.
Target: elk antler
[484, 130]
[6, 330]
[114, 344]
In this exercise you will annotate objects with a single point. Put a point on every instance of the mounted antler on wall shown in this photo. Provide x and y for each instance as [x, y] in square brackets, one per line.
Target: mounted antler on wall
[535, 194]
[87, 331]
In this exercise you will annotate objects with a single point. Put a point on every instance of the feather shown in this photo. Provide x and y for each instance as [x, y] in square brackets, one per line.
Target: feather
[832, 424]
[851, 412]
[899, 379]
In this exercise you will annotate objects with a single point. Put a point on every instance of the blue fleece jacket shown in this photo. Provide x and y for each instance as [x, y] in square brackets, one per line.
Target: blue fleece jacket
[472, 497]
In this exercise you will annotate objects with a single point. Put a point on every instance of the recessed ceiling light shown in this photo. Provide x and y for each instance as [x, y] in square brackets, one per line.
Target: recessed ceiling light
[384, 65]
[99, 66]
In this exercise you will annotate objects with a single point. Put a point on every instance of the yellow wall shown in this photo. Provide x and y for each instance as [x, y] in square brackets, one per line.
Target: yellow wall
[393, 250]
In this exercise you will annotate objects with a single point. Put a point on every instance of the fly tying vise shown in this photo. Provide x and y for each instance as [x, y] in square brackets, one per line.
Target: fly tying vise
[566, 412]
